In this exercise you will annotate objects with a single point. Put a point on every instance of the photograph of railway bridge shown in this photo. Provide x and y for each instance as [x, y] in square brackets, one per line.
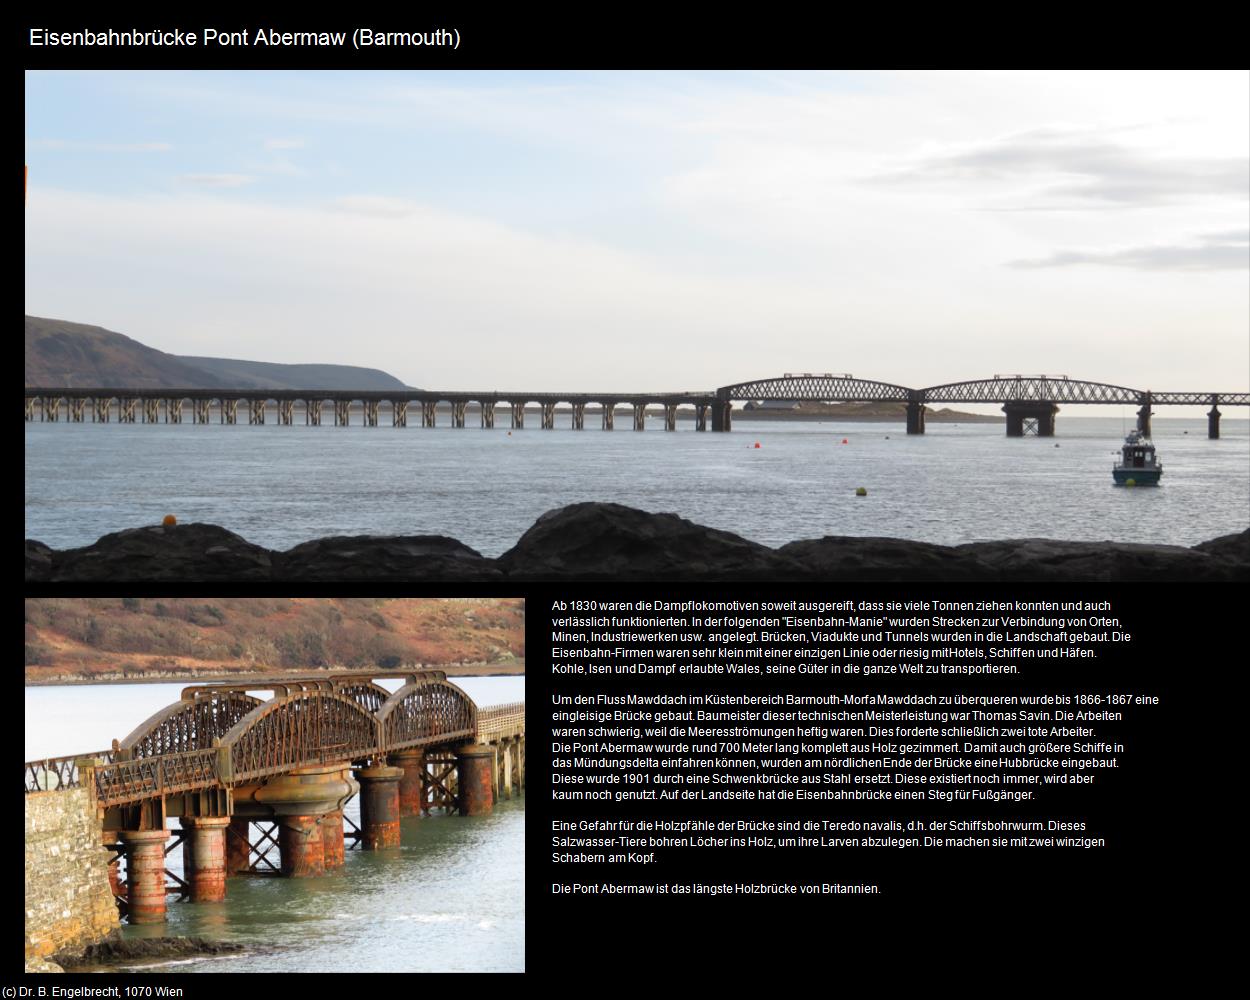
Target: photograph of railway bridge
[441, 308]
[259, 818]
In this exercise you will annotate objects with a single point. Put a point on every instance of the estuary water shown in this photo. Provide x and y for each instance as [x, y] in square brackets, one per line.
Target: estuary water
[451, 898]
[278, 486]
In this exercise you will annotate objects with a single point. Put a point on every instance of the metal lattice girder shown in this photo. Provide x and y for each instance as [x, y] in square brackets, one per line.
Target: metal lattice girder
[1031, 388]
[299, 730]
[816, 388]
[1200, 398]
[153, 777]
[54, 773]
[366, 694]
[190, 724]
[424, 712]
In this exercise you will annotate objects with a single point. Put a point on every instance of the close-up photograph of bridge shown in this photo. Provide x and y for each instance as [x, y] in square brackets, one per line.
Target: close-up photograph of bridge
[257, 820]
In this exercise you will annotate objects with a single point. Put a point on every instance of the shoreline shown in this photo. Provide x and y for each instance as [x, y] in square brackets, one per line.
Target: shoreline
[607, 542]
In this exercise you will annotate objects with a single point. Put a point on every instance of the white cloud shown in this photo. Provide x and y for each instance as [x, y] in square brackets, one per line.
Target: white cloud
[218, 180]
[74, 146]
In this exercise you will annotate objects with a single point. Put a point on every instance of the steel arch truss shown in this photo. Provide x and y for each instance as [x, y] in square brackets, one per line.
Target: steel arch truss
[427, 711]
[816, 388]
[1032, 388]
[191, 724]
[300, 730]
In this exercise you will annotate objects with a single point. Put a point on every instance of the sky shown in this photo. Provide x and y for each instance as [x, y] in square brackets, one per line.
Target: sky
[654, 231]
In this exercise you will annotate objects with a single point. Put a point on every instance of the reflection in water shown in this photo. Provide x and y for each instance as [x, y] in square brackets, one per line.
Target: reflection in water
[451, 898]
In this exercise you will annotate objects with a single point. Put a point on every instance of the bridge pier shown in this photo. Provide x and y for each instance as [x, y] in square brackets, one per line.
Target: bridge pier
[670, 416]
[640, 416]
[342, 413]
[300, 845]
[202, 409]
[579, 416]
[238, 845]
[488, 415]
[126, 410]
[518, 416]
[1213, 423]
[101, 407]
[30, 407]
[474, 764]
[399, 413]
[609, 411]
[700, 416]
[312, 412]
[145, 874]
[256, 411]
[915, 417]
[332, 838]
[298, 801]
[76, 409]
[1143, 416]
[379, 806]
[722, 415]
[151, 411]
[1018, 413]
[429, 412]
[371, 412]
[549, 416]
[412, 783]
[204, 857]
[229, 411]
[457, 413]
[286, 412]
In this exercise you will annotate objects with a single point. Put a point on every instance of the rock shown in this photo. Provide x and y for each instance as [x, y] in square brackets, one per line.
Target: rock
[384, 558]
[116, 949]
[607, 541]
[1044, 559]
[1232, 549]
[842, 558]
[34, 964]
[184, 552]
[38, 561]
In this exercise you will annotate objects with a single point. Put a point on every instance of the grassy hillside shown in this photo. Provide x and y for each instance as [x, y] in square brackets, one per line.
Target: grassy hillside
[64, 354]
[112, 638]
[59, 353]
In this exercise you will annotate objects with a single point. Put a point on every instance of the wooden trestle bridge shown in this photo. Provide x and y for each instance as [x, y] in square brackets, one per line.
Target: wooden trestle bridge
[1029, 401]
[225, 761]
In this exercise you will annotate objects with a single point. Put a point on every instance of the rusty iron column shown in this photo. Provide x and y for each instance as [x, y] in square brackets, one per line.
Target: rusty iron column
[915, 411]
[1213, 422]
[300, 845]
[412, 784]
[332, 838]
[145, 874]
[204, 857]
[475, 764]
[379, 806]
[238, 845]
[298, 801]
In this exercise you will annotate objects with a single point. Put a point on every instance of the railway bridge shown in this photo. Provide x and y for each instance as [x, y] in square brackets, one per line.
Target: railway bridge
[1030, 402]
[247, 776]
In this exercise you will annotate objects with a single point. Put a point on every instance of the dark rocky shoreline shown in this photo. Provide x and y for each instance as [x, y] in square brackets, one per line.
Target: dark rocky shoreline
[604, 542]
[115, 951]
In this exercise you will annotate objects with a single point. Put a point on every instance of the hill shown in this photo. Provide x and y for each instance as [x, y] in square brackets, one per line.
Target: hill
[61, 353]
[111, 638]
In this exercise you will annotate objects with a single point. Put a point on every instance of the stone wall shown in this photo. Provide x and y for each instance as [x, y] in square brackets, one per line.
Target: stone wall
[69, 904]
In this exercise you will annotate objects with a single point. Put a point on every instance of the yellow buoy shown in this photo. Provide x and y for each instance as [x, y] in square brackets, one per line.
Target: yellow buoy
[169, 520]
[861, 492]
[1130, 482]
